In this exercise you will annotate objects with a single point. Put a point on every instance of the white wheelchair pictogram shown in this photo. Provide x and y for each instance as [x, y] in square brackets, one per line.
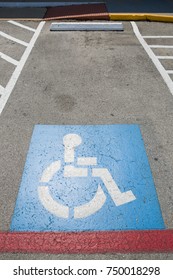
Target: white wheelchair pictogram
[71, 141]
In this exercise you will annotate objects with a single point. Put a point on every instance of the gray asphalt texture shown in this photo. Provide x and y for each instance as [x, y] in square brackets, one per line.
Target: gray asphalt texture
[87, 78]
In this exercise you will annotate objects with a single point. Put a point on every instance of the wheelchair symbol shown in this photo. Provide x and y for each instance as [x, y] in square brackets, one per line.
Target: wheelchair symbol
[71, 141]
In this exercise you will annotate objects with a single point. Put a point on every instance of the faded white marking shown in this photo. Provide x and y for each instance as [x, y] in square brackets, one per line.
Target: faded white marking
[11, 84]
[22, 25]
[157, 37]
[154, 59]
[50, 171]
[91, 207]
[83, 26]
[169, 71]
[9, 59]
[161, 46]
[2, 89]
[87, 161]
[13, 39]
[50, 204]
[71, 171]
[117, 196]
[164, 57]
[71, 141]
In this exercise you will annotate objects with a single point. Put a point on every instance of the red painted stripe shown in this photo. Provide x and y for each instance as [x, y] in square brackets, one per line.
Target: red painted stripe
[87, 242]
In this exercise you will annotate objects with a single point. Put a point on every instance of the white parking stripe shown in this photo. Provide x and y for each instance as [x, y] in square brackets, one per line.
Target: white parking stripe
[156, 37]
[19, 68]
[1, 90]
[13, 39]
[8, 58]
[154, 58]
[21, 25]
[161, 46]
[169, 71]
[165, 57]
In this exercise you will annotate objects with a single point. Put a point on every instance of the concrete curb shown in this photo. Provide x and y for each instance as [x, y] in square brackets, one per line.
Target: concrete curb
[140, 16]
[110, 16]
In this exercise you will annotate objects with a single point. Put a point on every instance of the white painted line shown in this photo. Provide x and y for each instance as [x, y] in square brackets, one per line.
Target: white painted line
[2, 89]
[157, 37]
[43, 4]
[87, 161]
[84, 26]
[13, 39]
[11, 84]
[169, 71]
[22, 25]
[154, 59]
[161, 46]
[165, 57]
[9, 59]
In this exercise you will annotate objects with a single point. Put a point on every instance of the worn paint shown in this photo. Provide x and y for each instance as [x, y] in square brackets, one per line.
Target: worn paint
[59, 194]
[88, 242]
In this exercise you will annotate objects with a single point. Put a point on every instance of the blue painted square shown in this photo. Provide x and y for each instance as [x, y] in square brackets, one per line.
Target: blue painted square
[103, 183]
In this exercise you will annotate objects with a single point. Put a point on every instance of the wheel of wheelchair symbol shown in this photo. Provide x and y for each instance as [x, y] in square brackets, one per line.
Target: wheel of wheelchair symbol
[71, 141]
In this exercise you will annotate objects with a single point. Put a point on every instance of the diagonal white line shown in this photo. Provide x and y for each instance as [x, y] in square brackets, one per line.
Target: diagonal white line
[22, 25]
[8, 58]
[11, 84]
[154, 59]
[13, 39]
[1, 90]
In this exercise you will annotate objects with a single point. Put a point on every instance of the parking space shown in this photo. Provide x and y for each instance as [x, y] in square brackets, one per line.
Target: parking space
[17, 40]
[158, 41]
[86, 78]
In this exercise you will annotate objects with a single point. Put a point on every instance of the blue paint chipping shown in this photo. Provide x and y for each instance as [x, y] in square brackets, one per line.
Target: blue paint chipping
[118, 149]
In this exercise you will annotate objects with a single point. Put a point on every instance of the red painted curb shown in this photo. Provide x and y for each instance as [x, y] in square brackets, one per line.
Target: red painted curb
[87, 242]
[82, 12]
